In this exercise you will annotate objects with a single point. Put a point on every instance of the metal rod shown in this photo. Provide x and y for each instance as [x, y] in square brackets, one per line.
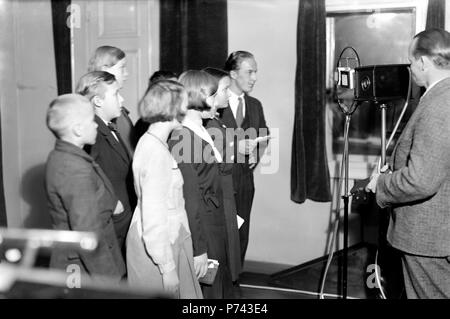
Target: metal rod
[29, 254]
[346, 199]
[383, 134]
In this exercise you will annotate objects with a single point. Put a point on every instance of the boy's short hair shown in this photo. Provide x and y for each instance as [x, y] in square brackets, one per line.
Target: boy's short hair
[199, 86]
[162, 101]
[105, 56]
[94, 84]
[64, 111]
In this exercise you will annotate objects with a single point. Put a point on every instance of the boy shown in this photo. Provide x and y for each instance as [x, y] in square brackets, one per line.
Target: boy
[80, 196]
[109, 150]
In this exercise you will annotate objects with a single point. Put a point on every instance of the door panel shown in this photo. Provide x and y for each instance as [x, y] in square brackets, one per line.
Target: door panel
[128, 25]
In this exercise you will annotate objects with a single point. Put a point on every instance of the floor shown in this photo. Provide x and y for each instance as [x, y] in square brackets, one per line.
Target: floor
[274, 281]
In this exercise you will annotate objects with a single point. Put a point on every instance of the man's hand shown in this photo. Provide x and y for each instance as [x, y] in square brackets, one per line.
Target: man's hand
[201, 265]
[119, 208]
[372, 186]
[171, 282]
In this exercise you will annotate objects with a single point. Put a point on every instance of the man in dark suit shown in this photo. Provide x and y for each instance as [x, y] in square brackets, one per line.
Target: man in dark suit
[109, 150]
[418, 187]
[246, 116]
[80, 196]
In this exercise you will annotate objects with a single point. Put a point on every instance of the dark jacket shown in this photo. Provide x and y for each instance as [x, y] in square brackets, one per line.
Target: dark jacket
[115, 161]
[81, 198]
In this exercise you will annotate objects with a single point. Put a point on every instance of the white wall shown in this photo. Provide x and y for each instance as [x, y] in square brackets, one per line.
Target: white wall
[280, 230]
[28, 84]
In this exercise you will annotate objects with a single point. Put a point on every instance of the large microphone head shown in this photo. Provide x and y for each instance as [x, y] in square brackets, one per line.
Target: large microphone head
[344, 79]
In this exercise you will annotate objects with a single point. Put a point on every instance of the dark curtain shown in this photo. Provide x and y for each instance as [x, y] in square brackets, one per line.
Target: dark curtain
[61, 41]
[436, 14]
[310, 177]
[3, 219]
[193, 34]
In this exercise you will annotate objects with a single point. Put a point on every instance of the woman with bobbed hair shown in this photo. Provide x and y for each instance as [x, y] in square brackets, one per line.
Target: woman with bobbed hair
[159, 244]
[199, 159]
[223, 137]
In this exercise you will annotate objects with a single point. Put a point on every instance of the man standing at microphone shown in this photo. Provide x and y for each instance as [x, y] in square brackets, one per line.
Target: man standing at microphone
[418, 185]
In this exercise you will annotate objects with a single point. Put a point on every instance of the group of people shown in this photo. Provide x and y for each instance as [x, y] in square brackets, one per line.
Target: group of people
[168, 200]
[168, 197]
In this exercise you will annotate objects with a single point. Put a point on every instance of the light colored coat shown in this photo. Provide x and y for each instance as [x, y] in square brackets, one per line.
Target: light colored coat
[159, 238]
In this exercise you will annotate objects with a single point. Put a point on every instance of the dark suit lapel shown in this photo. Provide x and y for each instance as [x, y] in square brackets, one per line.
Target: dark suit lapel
[227, 117]
[118, 147]
[103, 177]
[248, 114]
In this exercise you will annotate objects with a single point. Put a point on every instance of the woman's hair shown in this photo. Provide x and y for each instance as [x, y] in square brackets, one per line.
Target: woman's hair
[235, 59]
[105, 56]
[161, 75]
[199, 86]
[94, 84]
[435, 44]
[218, 74]
[162, 101]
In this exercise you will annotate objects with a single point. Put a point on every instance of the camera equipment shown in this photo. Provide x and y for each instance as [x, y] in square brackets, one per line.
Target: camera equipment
[32, 240]
[20, 279]
[345, 77]
[378, 84]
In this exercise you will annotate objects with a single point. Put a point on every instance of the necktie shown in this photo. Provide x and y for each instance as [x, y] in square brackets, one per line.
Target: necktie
[113, 127]
[239, 113]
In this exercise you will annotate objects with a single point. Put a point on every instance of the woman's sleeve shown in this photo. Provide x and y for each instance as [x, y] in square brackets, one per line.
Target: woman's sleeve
[154, 183]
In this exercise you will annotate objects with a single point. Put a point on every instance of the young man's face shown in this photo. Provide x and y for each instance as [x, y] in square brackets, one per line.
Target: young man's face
[245, 78]
[111, 106]
[119, 70]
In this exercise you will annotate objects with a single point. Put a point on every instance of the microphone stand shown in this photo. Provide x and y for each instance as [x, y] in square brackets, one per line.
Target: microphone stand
[346, 196]
[348, 111]
[383, 108]
[346, 201]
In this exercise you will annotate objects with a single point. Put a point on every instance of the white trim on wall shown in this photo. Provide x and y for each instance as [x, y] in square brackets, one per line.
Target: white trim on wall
[420, 5]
